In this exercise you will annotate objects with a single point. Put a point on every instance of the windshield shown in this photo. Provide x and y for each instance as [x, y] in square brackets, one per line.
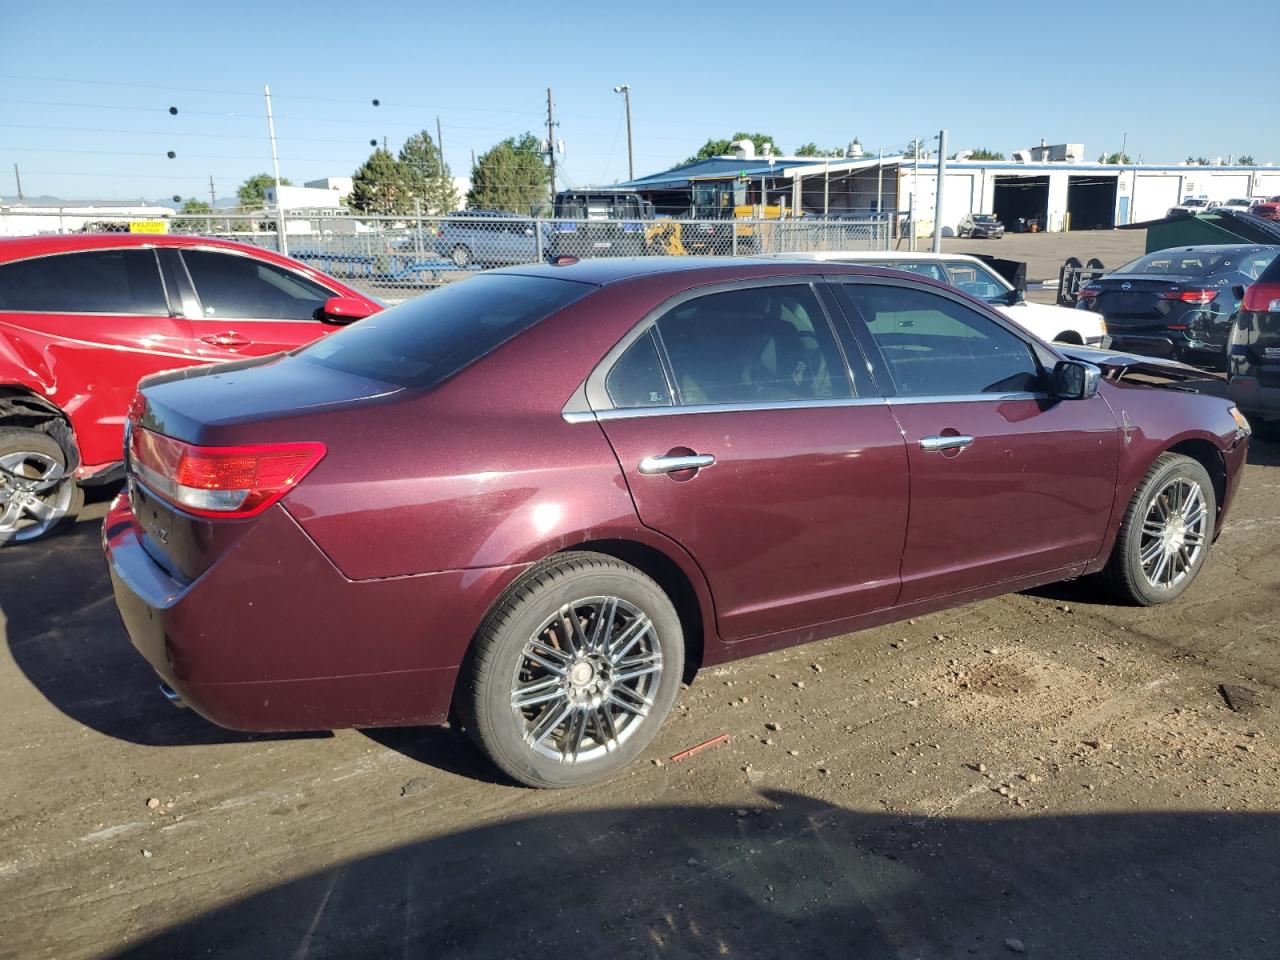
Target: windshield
[1185, 263]
[426, 340]
[983, 218]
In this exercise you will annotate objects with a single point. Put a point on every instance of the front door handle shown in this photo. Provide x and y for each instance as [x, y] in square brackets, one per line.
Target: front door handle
[670, 464]
[228, 339]
[933, 444]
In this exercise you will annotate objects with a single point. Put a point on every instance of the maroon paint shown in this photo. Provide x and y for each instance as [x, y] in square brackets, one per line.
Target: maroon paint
[353, 601]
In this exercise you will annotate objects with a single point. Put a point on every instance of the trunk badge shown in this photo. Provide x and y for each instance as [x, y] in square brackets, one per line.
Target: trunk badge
[1126, 285]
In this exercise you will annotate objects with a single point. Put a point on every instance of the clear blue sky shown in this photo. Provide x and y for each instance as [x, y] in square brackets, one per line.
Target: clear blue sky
[85, 87]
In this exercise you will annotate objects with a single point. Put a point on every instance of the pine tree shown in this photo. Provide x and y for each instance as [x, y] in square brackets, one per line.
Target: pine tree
[427, 176]
[380, 187]
[510, 175]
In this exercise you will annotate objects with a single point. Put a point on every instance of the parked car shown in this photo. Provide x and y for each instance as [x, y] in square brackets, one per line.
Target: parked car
[980, 225]
[977, 279]
[84, 317]
[1237, 205]
[1253, 353]
[487, 238]
[1189, 205]
[1178, 303]
[532, 498]
[1267, 209]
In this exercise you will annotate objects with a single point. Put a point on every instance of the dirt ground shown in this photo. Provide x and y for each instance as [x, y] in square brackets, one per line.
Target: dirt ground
[1041, 773]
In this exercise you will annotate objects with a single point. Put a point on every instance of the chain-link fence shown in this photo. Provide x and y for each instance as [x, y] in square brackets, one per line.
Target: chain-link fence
[395, 257]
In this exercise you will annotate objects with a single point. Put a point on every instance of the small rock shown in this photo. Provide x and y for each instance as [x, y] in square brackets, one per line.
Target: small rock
[825, 771]
[692, 861]
[815, 667]
[416, 785]
[147, 854]
[980, 767]
[939, 636]
[152, 803]
[1015, 945]
[767, 741]
[657, 762]
[799, 684]
[773, 726]
[794, 753]
[993, 651]
[1064, 608]
[1031, 777]
[1002, 790]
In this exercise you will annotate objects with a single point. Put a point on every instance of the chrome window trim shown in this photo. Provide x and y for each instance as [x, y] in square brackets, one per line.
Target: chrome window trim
[630, 413]
[967, 398]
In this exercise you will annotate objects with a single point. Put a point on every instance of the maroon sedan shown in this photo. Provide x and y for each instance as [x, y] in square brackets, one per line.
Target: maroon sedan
[531, 499]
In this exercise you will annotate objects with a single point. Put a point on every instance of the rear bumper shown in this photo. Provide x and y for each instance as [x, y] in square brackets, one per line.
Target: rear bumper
[273, 637]
[1254, 399]
[1161, 345]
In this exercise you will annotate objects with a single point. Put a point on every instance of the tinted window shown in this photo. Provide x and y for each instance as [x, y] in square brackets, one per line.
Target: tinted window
[1186, 263]
[753, 346]
[934, 346]
[421, 342]
[233, 286]
[101, 281]
[637, 380]
[976, 280]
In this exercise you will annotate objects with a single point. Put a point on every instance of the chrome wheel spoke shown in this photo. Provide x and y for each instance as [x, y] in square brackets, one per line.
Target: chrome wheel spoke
[629, 637]
[539, 691]
[606, 730]
[551, 719]
[1150, 552]
[574, 735]
[604, 624]
[41, 509]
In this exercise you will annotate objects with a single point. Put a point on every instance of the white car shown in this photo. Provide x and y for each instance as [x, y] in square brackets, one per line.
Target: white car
[1046, 321]
[1189, 205]
[1238, 205]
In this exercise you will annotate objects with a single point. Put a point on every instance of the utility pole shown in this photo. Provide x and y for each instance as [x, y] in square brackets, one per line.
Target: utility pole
[915, 190]
[18, 176]
[212, 197]
[440, 145]
[937, 200]
[275, 166]
[551, 144]
[625, 90]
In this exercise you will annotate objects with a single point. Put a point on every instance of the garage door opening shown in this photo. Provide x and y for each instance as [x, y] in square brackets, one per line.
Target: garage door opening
[1091, 203]
[1021, 202]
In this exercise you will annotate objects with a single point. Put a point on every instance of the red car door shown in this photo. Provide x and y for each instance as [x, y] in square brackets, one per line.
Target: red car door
[248, 307]
[745, 437]
[82, 328]
[1006, 481]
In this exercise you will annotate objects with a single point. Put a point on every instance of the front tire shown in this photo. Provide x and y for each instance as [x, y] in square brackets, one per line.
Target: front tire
[1165, 535]
[37, 497]
[461, 256]
[574, 672]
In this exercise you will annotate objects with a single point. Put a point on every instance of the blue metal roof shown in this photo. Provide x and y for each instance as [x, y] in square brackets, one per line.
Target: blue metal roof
[715, 168]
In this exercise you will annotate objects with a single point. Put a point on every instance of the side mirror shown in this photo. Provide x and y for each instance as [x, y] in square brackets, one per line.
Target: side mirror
[1238, 292]
[345, 310]
[1016, 296]
[1074, 380]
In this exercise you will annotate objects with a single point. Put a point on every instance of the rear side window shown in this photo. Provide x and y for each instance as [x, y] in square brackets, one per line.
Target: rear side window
[637, 380]
[231, 286]
[425, 340]
[934, 346]
[760, 345]
[97, 281]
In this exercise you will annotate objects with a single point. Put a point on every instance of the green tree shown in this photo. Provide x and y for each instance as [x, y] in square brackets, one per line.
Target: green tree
[1245, 160]
[381, 186]
[185, 225]
[811, 149]
[718, 148]
[982, 153]
[510, 175]
[427, 176]
[253, 192]
[1113, 158]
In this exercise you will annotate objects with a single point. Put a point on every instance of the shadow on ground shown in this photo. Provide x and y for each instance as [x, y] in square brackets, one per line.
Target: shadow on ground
[792, 877]
[64, 633]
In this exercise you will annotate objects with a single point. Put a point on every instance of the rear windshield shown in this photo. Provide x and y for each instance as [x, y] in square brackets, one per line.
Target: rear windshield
[428, 339]
[1185, 263]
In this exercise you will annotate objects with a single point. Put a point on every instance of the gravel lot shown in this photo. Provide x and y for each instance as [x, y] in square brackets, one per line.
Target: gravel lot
[1041, 774]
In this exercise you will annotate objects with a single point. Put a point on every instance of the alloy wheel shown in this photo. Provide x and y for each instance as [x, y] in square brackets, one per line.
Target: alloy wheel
[585, 681]
[35, 495]
[1174, 532]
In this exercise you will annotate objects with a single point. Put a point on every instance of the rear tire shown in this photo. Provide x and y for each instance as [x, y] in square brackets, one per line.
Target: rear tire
[37, 497]
[460, 255]
[1165, 535]
[555, 706]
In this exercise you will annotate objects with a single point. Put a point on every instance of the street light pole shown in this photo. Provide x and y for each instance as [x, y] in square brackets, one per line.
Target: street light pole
[275, 166]
[625, 90]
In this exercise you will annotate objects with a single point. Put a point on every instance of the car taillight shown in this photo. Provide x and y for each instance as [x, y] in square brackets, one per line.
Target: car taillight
[1088, 293]
[1190, 296]
[230, 482]
[1263, 298]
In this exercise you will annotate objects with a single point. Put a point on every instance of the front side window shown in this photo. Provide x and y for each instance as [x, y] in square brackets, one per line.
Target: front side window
[760, 345]
[232, 286]
[98, 281]
[976, 280]
[934, 346]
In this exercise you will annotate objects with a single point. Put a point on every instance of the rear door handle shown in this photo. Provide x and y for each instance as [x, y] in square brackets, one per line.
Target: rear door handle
[694, 461]
[933, 444]
[229, 339]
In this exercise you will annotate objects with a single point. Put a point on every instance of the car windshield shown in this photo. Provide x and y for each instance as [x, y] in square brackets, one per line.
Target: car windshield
[983, 218]
[1195, 203]
[1183, 263]
[430, 338]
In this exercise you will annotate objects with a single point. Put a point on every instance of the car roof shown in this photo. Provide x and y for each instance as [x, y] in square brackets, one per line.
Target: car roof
[607, 270]
[868, 256]
[1214, 248]
[14, 248]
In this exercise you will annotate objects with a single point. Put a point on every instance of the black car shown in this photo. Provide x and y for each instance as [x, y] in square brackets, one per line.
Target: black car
[1253, 354]
[1178, 303]
[980, 225]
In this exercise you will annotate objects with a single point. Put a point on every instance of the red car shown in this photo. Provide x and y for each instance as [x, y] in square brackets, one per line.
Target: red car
[1267, 209]
[533, 498]
[84, 317]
